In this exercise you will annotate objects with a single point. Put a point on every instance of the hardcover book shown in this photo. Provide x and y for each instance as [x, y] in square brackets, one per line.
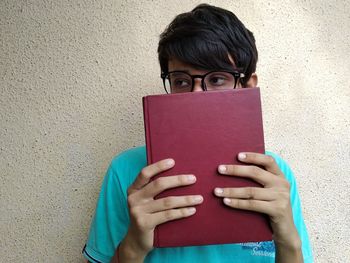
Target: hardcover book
[200, 131]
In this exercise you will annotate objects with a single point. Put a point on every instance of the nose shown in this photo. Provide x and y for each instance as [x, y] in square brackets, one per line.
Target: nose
[197, 85]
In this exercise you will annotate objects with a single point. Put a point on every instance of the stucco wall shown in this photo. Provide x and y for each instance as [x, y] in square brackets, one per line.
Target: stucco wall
[72, 74]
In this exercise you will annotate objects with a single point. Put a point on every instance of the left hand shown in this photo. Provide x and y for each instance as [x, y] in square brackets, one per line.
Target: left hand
[272, 199]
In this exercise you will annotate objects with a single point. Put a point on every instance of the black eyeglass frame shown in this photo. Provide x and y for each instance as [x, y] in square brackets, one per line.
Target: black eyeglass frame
[236, 75]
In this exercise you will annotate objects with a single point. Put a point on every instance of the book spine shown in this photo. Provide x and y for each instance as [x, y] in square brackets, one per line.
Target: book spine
[147, 130]
[146, 117]
[262, 121]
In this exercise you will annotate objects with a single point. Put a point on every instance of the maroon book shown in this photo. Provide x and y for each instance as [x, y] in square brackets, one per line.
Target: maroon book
[201, 130]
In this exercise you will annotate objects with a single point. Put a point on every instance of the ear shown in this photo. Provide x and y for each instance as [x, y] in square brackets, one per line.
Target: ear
[252, 82]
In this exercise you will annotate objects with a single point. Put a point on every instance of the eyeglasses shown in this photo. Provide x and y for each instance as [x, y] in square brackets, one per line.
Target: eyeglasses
[181, 81]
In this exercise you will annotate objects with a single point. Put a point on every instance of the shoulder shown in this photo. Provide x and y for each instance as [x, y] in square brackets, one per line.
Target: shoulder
[131, 156]
[127, 165]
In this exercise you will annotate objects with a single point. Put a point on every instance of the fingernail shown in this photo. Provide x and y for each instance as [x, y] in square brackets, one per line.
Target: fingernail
[219, 191]
[170, 162]
[191, 210]
[227, 200]
[222, 168]
[242, 156]
[198, 199]
[191, 178]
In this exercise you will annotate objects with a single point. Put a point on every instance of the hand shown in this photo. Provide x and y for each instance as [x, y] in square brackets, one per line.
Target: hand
[272, 199]
[146, 212]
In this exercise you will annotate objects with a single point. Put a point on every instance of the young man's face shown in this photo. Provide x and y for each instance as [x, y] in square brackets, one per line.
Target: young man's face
[176, 65]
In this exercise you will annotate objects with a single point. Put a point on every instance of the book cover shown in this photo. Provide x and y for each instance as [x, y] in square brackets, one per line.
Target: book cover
[200, 131]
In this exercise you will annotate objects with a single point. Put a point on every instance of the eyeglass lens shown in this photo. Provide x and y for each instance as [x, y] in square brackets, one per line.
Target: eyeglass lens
[178, 82]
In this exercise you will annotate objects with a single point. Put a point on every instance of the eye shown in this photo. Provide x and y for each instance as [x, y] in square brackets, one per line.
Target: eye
[217, 80]
[181, 83]
[180, 80]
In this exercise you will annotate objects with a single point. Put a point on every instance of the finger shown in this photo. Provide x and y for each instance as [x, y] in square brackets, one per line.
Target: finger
[172, 214]
[172, 202]
[251, 205]
[254, 193]
[267, 161]
[163, 183]
[252, 172]
[149, 171]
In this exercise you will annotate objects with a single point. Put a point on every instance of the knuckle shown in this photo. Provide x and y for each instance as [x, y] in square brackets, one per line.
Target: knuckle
[168, 202]
[252, 157]
[251, 192]
[158, 165]
[133, 212]
[238, 203]
[145, 173]
[250, 203]
[143, 222]
[181, 179]
[183, 212]
[188, 200]
[285, 196]
[270, 159]
[283, 205]
[140, 222]
[161, 165]
[168, 215]
[255, 169]
[159, 183]
[230, 168]
[235, 203]
[130, 200]
[286, 184]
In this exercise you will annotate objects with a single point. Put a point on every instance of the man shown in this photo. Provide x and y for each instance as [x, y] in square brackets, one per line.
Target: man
[205, 49]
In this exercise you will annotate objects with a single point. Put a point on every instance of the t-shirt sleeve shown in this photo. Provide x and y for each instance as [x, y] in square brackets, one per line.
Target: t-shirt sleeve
[110, 222]
[296, 208]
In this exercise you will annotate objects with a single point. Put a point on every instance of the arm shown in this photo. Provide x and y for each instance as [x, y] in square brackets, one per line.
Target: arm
[273, 199]
[146, 212]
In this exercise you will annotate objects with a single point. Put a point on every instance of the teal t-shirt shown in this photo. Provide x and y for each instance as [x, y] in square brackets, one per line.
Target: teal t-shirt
[111, 221]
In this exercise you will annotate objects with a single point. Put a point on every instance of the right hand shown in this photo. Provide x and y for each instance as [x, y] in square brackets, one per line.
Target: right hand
[146, 212]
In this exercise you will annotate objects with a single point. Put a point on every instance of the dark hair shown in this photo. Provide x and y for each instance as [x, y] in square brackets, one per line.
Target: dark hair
[205, 37]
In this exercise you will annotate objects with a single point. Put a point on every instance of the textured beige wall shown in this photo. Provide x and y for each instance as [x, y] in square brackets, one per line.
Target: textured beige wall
[72, 74]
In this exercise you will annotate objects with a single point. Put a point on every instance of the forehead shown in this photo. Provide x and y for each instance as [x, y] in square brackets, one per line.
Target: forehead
[177, 65]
